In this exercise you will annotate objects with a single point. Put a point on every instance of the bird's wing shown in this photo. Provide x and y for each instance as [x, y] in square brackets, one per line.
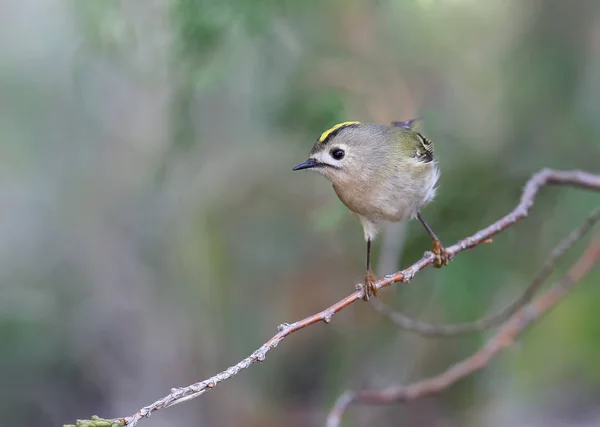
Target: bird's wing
[414, 144]
[425, 149]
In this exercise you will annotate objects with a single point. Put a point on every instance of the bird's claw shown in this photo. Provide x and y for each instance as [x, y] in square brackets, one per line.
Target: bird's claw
[441, 256]
[369, 286]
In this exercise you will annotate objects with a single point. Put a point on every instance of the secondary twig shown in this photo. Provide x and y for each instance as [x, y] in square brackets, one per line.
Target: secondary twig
[544, 177]
[516, 324]
[450, 330]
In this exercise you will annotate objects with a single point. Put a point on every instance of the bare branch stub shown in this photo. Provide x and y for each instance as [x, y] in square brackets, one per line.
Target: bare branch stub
[514, 326]
[546, 176]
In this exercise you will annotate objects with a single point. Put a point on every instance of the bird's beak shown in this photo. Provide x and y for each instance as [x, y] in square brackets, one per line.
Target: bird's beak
[310, 163]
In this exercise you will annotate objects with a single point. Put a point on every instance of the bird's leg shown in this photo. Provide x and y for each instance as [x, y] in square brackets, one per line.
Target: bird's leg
[441, 256]
[370, 277]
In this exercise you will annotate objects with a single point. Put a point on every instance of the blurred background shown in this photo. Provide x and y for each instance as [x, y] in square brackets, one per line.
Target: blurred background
[153, 233]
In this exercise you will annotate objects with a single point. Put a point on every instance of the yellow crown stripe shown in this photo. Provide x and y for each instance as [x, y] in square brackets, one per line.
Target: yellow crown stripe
[325, 134]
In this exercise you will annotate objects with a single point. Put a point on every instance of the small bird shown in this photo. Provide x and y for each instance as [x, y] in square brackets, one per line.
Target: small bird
[381, 173]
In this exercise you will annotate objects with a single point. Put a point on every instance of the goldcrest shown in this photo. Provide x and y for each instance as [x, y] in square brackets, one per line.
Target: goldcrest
[381, 173]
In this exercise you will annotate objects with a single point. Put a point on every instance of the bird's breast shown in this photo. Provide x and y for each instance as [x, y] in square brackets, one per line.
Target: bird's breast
[395, 198]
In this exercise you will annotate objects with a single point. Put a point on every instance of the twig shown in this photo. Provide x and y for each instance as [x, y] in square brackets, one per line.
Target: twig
[544, 177]
[450, 330]
[517, 323]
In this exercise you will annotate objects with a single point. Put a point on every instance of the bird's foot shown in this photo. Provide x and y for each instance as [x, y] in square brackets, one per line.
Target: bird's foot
[369, 285]
[441, 256]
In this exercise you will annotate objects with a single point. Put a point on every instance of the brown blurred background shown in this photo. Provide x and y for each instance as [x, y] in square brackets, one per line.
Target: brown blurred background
[152, 231]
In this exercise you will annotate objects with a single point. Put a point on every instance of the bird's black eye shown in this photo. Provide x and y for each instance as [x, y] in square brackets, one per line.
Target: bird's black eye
[337, 153]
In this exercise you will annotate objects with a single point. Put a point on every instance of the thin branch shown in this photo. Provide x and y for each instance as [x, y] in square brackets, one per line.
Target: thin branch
[503, 339]
[449, 330]
[575, 178]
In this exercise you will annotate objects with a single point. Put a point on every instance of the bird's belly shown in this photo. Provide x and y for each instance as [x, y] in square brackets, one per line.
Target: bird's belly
[396, 200]
[373, 205]
[395, 208]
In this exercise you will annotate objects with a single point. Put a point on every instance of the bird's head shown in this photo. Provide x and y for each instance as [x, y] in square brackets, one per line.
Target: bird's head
[348, 151]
